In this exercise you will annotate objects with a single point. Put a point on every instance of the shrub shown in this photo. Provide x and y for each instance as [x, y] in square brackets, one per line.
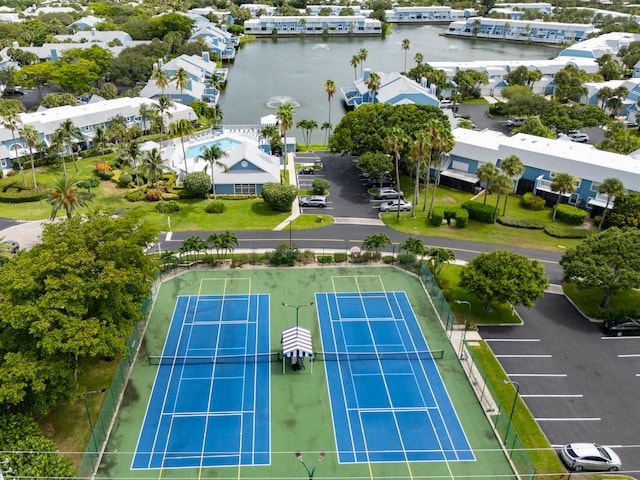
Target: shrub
[19, 194]
[136, 196]
[284, 255]
[154, 195]
[533, 202]
[499, 109]
[125, 180]
[103, 167]
[462, 217]
[215, 207]
[106, 175]
[278, 196]
[320, 185]
[570, 214]
[168, 207]
[518, 223]
[340, 257]
[479, 211]
[325, 259]
[170, 196]
[437, 216]
[559, 231]
[197, 185]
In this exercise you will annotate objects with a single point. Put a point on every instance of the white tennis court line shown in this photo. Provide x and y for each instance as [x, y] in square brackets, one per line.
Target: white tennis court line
[523, 356]
[537, 374]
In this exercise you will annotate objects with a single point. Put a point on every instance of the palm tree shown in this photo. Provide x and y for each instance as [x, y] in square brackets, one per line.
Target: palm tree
[331, 88]
[164, 104]
[100, 140]
[285, 117]
[355, 61]
[420, 149]
[30, 136]
[65, 194]
[181, 77]
[181, 128]
[486, 173]
[213, 154]
[326, 126]
[153, 166]
[362, 56]
[443, 142]
[562, 183]
[502, 185]
[69, 132]
[376, 242]
[133, 154]
[437, 258]
[373, 84]
[405, 46]
[513, 167]
[146, 112]
[57, 142]
[11, 120]
[394, 142]
[419, 58]
[307, 126]
[612, 187]
[161, 78]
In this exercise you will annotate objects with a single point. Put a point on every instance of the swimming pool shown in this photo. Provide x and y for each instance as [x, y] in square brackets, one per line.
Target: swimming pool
[225, 144]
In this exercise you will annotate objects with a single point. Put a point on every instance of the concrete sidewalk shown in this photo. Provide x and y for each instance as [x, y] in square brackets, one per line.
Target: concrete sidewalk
[290, 167]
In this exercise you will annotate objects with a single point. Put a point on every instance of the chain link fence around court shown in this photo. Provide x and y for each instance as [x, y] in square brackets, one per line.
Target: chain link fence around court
[500, 415]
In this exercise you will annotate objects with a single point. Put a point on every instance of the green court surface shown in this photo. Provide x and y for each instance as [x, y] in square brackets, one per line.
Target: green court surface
[300, 408]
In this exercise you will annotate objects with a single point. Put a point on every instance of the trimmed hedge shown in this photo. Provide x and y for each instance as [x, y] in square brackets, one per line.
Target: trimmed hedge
[437, 216]
[570, 214]
[559, 231]
[533, 202]
[239, 196]
[215, 207]
[519, 223]
[479, 211]
[136, 196]
[460, 215]
[14, 192]
[168, 207]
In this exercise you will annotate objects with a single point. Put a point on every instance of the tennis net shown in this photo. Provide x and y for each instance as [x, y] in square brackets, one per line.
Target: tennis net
[277, 356]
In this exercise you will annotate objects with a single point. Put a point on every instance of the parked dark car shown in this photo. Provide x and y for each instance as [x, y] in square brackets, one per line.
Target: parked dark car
[622, 326]
[12, 92]
[384, 181]
[307, 170]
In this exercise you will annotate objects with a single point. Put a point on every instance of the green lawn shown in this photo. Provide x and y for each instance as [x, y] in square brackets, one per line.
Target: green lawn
[588, 301]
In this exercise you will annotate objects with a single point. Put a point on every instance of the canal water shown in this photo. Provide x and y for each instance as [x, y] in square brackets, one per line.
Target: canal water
[268, 72]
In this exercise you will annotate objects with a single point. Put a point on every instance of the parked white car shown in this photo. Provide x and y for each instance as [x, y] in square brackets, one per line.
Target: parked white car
[385, 193]
[392, 206]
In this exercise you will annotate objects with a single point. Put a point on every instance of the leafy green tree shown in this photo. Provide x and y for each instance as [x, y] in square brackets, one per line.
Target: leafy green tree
[518, 76]
[35, 76]
[375, 164]
[619, 139]
[569, 82]
[626, 211]
[320, 186]
[279, 197]
[162, 25]
[74, 77]
[197, 184]
[533, 126]
[608, 261]
[375, 243]
[469, 81]
[504, 277]
[66, 195]
[611, 187]
[562, 183]
[52, 100]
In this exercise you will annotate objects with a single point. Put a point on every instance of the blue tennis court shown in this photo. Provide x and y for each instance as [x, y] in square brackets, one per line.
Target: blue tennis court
[388, 400]
[211, 394]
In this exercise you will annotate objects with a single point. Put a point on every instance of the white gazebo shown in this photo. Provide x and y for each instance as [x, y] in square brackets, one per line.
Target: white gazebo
[296, 344]
[269, 120]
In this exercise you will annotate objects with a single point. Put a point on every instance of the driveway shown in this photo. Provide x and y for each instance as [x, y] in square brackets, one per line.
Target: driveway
[579, 384]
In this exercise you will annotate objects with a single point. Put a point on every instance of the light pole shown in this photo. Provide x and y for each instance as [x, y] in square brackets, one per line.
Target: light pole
[466, 326]
[513, 407]
[86, 406]
[297, 307]
[311, 471]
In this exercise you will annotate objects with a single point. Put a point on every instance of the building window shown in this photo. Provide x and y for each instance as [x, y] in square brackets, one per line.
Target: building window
[244, 188]
[595, 186]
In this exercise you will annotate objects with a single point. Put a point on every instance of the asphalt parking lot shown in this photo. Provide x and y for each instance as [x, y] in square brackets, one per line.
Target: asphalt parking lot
[579, 384]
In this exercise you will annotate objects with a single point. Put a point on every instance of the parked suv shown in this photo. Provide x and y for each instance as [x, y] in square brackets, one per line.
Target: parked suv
[385, 193]
[313, 201]
[516, 122]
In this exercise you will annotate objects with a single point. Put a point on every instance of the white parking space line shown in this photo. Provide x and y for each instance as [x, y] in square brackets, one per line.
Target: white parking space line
[524, 356]
[537, 374]
[620, 338]
[533, 395]
[630, 355]
[511, 339]
[567, 419]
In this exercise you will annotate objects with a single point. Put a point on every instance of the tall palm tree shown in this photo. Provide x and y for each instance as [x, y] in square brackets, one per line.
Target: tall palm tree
[212, 155]
[133, 155]
[285, 117]
[326, 126]
[153, 166]
[486, 173]
[161, 78]
[362, 56]
[420, 149]
[406, 43]
[100, 140]
[331, 88]
[513, 167]
[57, 142]
[162, 107]
[65, 194]
[146, 113]
[117, 129]
[69, 133]
[12, 121]
[394, 142]
[181, 77]
[443, 142]
[355, 61]
[502, 185]
[181, 128]
[611, 187]
[373, 84]
[562, 183]
[30, 136]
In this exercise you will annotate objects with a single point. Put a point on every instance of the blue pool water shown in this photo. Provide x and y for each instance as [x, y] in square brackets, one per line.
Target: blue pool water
[224, 144]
